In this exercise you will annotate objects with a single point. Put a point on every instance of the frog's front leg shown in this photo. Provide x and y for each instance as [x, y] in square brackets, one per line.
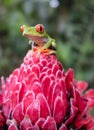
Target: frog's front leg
[48, 47]
[48, 44]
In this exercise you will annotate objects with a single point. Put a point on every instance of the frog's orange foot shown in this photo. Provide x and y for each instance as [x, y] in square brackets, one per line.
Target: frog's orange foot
[41, 51]
[47, 51]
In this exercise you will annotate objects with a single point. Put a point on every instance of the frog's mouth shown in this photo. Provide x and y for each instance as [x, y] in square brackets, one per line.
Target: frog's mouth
[37, 39]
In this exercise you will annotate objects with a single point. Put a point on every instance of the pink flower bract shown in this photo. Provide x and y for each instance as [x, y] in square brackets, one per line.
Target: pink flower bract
[40, 95]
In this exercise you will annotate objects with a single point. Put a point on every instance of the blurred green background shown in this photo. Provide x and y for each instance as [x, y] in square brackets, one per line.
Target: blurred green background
[70, 22]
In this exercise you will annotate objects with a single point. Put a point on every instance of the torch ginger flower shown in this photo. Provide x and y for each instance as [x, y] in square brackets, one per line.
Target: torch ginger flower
[40, 95]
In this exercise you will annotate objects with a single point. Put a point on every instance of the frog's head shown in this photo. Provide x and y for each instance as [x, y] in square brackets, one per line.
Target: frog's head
[35, 31]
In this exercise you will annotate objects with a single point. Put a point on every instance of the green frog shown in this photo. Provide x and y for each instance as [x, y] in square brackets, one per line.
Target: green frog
[40, 40]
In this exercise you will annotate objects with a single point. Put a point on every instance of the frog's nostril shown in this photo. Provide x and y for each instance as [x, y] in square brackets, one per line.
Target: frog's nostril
[22, 28]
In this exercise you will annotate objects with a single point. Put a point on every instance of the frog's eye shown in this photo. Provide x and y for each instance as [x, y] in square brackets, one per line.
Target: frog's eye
[22, 28]
[39, 28]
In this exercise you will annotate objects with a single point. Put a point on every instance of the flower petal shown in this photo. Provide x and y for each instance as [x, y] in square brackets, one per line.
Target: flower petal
[58, 112]
[28, 99]
[25, 123]
[7, 108]
[15, 94]
[18, 112]
[33, 111]
[35, 69]
[63, 127]
[45, 85]
[44, 107]
[12, 127]
[70, 75]
[82, 85]
[36, 88]
[55, 68]
[35, 127]
[40, 122]
[49, 124]
[56, 92]
[2, 118]
[89, 94]
[0, 98]
[73, 111]
[50, 93]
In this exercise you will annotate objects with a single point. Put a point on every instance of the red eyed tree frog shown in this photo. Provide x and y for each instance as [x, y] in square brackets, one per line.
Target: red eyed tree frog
[40, 40]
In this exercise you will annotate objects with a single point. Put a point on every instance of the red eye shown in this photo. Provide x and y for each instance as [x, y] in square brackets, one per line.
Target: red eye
[39, 28]
[22, 28]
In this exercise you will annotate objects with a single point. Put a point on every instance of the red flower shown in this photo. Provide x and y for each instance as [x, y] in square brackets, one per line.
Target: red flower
[40, 95]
